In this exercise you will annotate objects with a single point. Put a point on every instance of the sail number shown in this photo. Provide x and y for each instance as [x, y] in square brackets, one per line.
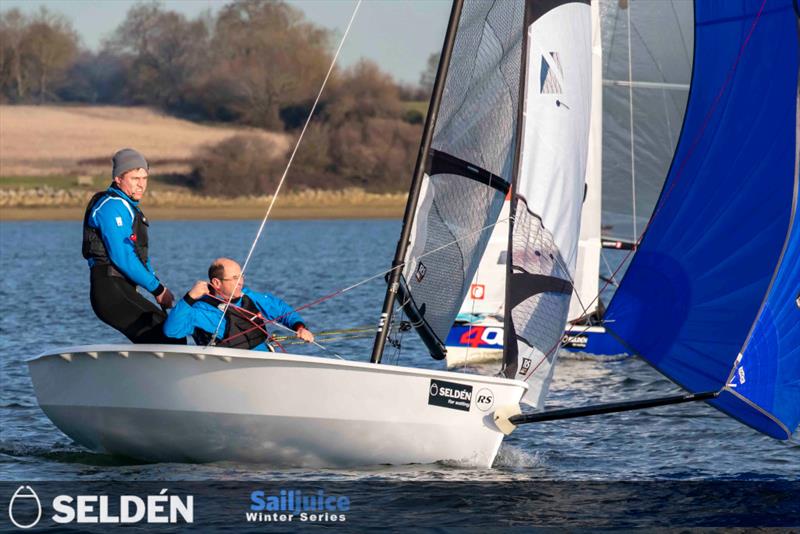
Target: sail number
[476, 336]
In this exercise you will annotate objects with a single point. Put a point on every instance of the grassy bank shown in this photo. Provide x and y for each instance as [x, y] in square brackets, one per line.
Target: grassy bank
[68, 204]
[79, 140]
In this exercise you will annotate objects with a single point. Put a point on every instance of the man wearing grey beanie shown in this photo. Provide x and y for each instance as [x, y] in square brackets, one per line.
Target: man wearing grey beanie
[115, 243]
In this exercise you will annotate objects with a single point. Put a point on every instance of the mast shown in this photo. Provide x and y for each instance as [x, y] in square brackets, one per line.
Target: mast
[416, 182]
[509, 367]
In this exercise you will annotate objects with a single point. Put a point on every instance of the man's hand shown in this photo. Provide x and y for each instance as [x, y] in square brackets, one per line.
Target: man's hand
[166, 299]
[199, 289]
[305, 334]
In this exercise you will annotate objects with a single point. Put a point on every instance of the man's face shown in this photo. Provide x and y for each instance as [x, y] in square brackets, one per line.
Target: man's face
[232, 282]
[133, 183]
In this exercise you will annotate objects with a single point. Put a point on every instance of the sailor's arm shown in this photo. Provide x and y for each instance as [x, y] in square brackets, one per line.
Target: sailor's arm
[116, 227]
[185, 317]
[275, 308]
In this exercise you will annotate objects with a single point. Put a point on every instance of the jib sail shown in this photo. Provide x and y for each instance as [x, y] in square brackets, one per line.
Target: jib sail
[548, 190]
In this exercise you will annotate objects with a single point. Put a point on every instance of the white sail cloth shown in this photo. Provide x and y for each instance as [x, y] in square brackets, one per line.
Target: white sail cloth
[549, 192]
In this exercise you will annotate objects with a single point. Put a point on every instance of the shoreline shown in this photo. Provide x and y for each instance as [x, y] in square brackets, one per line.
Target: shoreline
[49, 204]
[177, 213]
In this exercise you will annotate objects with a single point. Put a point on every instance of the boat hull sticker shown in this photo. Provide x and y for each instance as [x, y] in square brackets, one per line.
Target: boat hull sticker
[450, 395]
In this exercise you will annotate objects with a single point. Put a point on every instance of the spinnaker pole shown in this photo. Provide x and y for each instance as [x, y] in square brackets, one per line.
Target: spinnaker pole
[416, 183]
[508, 418]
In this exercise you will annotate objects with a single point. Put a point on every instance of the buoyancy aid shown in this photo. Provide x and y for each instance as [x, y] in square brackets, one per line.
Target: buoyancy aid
[242, 330]
[93, 246]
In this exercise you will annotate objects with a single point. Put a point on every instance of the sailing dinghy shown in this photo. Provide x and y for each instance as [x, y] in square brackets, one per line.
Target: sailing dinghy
[513, 83]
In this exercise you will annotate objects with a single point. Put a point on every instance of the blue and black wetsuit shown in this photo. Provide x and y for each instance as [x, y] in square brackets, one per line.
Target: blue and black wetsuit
[115, 243]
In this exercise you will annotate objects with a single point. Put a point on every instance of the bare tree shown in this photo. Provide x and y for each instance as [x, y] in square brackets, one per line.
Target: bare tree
[13, 83]
[428, 76]
[165, 51]
[268, 57]
[51, 46]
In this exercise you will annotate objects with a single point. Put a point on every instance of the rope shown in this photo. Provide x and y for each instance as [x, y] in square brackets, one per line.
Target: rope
[384, 273]
[289, 163]
[347, 333]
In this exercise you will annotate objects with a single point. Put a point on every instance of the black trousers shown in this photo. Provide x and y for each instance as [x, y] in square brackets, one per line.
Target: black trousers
[116, 302]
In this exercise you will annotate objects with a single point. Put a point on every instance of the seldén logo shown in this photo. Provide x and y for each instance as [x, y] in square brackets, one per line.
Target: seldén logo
[23, 506]
[293, 505]
[25, 509]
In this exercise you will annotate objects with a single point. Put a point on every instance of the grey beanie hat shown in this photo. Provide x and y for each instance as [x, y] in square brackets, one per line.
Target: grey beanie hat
[126, 160]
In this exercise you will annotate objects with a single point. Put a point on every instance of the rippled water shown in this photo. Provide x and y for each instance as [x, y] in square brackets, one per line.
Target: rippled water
[44, 286]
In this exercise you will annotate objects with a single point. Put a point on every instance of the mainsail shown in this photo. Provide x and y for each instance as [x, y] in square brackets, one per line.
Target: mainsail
[710, 298]
[468, 169]
[548, 189]
[511, 102]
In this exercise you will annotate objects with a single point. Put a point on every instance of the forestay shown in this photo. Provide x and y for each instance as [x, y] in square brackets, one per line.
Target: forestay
[469, 167]
[548, 191]
[710, 298]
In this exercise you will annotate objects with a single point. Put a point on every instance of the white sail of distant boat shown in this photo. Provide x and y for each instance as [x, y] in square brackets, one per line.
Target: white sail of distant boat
[513, 76]
[646, 65]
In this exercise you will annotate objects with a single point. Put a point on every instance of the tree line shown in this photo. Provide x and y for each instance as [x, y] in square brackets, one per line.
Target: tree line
[257, 63]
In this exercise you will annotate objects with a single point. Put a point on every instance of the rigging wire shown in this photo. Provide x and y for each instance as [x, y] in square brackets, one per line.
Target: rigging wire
[289, 163]
[630, 122]
[365, 280]
[608, 266]
[387, 271]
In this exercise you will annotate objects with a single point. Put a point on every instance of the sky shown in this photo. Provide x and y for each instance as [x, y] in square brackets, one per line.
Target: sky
[399, 35]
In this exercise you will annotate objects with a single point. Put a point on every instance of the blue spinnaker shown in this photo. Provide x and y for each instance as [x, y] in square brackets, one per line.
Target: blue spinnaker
[717, 273]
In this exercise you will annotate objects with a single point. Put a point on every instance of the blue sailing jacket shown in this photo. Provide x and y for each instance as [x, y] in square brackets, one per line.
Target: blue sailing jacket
[114, 215]
[189, 314]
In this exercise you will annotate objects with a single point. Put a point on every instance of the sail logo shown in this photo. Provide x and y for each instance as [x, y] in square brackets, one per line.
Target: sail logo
[21, 504]
[550, 73]
[450, 395]
[477, 291]
[419, 274]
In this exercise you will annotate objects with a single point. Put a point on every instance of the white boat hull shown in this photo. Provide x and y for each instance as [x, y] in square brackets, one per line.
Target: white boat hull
[194, 404]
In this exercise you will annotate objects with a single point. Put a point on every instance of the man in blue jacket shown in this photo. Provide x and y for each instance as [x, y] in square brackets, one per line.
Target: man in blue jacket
[115, 243]
[245, 323]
